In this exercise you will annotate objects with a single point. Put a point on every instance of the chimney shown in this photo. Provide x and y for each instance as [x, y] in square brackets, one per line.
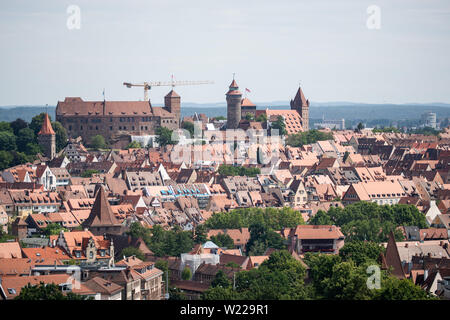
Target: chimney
[425, 274]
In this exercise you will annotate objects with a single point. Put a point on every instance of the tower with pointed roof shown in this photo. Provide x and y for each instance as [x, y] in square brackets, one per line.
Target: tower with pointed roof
[172, 104]
[47, 138]
[102, 220]
[301, 104]
[233, 106]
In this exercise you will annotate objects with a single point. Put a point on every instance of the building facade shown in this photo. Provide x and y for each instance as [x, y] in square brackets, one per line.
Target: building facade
[115, 119]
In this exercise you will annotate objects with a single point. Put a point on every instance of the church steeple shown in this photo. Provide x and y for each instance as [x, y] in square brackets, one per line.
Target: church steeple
[301, 104]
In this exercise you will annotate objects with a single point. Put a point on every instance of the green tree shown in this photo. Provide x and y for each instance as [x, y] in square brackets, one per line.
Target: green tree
[361, 251]
[19, 158]
[46, 292]
[60, 136]
[249, 117]
[347, 282]
[189, 126]
[25, 137]
[5, 159]
[37, 121]
[223, 240]
[88, 173]
[262, 238]
[393, 288]
[273, 218]
[308, 137]
[7, 141]
[220, 293]
[221, 280]
[134, 145]
[132, 251]
[371, 222]
[164, 136]
[280, 125]
[17, 125]
[53, 229]
[360, 126]
[186, 274]
[176, 294]
[6, 127]
[162, 265]
[98, 142]
[201, 232]
[281, 277]
[262, 117]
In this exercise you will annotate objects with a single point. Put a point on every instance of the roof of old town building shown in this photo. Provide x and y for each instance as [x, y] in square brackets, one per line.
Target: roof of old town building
[46, 128]
[101, 214]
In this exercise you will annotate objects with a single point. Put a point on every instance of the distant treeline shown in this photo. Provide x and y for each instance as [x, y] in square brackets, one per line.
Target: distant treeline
[370, 114]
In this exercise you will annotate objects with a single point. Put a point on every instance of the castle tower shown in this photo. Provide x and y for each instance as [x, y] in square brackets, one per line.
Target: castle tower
[172, 104]
[47, 138]
[233, 106]
[301, 104]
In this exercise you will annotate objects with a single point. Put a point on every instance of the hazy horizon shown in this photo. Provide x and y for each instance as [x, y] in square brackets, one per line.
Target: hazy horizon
[271, 46]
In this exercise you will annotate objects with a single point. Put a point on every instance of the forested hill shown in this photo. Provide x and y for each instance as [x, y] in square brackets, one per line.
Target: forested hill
[332, 110]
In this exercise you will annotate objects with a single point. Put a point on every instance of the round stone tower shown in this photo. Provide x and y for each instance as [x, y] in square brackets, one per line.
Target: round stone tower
[233, 106]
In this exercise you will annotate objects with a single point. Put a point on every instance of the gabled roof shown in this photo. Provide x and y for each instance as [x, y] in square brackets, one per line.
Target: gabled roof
[247, 103]
[101, 213]
[46, 126]
[172, 94]
[300, 99]
[393, 258]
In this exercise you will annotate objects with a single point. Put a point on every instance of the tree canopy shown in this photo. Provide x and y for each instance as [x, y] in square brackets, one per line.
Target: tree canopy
[164, 136]
[273, 218]
[44, 291]
[164, 242]
[307, 137]
[370, 221]
[229, 170]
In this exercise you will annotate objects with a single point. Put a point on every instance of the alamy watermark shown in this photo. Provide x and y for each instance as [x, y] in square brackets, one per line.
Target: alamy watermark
[374, 19]
[374, 280]
[74, 19]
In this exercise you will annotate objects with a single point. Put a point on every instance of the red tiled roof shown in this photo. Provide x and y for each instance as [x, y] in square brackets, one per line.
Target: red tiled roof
[46, 126]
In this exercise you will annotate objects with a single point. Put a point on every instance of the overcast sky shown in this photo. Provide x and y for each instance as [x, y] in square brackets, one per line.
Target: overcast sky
[272, 46]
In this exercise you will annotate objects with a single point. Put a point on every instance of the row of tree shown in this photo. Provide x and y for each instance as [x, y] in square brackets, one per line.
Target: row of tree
[19, 140]
[229, 170]
[308, 137]
[273, 218]
[370, 221]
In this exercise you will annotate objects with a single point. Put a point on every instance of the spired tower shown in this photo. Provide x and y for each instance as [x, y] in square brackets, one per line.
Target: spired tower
[47, 138]
[233, 106]
[301, 104]
[172, 104]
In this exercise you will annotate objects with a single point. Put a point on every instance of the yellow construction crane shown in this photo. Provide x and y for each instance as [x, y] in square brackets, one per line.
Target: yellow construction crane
[148, 85]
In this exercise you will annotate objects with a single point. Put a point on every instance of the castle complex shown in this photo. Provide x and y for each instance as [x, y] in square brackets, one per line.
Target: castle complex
[115, 119]
[296, 119]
